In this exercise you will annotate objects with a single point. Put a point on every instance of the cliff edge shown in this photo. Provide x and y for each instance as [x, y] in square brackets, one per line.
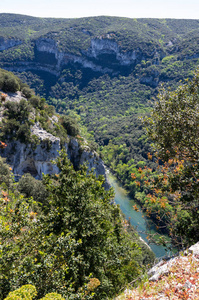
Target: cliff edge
[35, 154]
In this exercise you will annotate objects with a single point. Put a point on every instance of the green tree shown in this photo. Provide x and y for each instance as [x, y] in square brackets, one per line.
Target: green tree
[174, 129]
[70, 125]
[32, 187]
[6, 176]
[82, 209]
[75, 245]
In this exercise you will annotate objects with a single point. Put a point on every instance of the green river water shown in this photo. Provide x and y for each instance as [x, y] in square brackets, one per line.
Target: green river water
[137, 218]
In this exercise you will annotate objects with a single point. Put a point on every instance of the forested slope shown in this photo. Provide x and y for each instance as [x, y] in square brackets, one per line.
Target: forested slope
[103, 71]
[63, 233]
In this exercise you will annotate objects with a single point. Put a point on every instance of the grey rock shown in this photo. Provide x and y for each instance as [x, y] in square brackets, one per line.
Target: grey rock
[88, 58]
[107, 46]
[8, 43]
[194, 249]
[162, 268]
[26, 158]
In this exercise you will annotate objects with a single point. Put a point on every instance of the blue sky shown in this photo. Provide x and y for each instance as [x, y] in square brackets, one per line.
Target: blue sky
[180, 9]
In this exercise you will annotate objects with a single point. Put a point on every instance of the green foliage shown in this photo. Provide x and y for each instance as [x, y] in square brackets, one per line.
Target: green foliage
[27, 292]
[174, 122]
[18, 111]
[76, 245]
[6, 176]
[31, 187]
[20, 116]
[27, 92]
[173, 127]
[9, 82]
[109, 104]
[70, 125]
[52, 296]
[35, 101]
[16, 125]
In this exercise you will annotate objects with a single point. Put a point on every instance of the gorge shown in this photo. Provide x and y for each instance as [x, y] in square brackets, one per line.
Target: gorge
[94, 79]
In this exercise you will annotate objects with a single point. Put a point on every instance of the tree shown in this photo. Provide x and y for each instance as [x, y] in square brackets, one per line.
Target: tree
[81, 210]
[70, 125]
[29, 292]
[32, 187]
[174, 129]
[75, 244]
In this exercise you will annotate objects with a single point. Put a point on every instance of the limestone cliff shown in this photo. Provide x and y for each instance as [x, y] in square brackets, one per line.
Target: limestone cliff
[8, 43]
[53, 59]
[36, 159]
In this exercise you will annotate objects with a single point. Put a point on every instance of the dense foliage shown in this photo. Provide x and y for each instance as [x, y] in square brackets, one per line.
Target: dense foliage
[29, 292]
[108, 98]
[9, 82]
[18, 115]
[76, 244]
[173, 192]
[87, 250]
[106, 91]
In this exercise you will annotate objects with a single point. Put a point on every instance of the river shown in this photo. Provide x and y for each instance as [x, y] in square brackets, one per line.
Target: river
[137, 218]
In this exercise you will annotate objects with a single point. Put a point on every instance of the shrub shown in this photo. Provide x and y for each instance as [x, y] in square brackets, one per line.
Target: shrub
[11, 84]
[24, 133]
[18, 111]
[3, 97]
[53, 296]
[70, 125]
[25, 292]
[27, 92]
[35, 101]
[6, 175]
[32, 187]
[29, 292]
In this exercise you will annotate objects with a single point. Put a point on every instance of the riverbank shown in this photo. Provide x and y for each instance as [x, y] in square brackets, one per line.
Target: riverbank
[137, 218]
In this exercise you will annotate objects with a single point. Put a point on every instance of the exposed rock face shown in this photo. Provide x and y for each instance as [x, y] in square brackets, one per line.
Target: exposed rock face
[98, 47]
[194, 249]
[106, 46]
[49, 58]
[6, 44]
[89, 59]
[36, 161]
[50, 46]
[163, 267]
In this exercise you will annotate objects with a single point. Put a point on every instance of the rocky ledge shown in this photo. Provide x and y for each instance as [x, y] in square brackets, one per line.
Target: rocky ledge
[163, 267]
[176, 278]
[36, 159]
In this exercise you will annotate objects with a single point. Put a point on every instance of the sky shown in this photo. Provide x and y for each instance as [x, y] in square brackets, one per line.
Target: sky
[179, 9]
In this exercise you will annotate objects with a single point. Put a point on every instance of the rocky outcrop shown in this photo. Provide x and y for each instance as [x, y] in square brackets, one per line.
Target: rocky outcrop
[37, 160]
[47, 45]
[101, 46]
[8, 43]
[22, 66]
[174, 279]
[50, 46]
[163, 267]
[49, 57]
[89, 58]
